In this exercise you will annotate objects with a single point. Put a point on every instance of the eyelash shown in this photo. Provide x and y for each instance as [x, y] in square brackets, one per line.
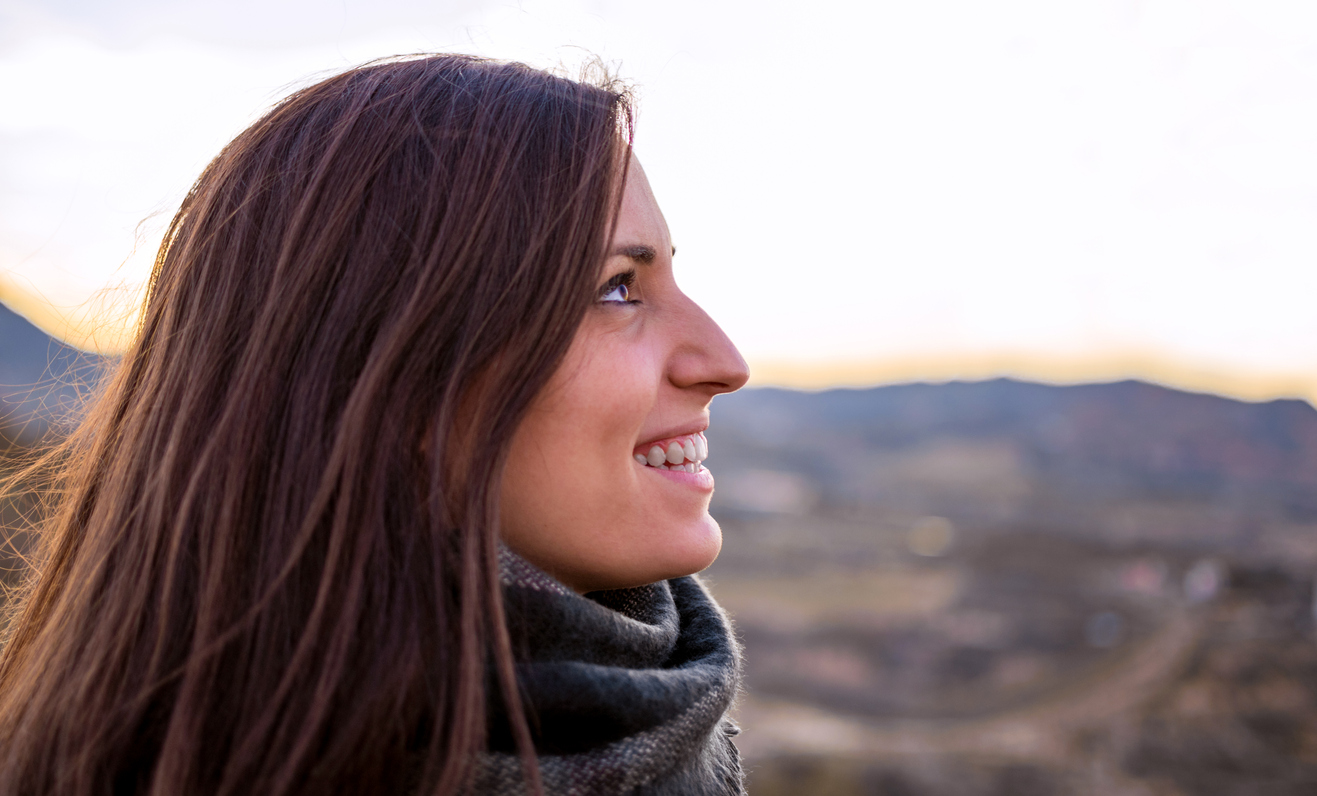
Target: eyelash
[626, 279]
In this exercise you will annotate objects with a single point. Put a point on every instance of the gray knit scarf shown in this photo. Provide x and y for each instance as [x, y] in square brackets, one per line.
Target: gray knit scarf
[626, 690]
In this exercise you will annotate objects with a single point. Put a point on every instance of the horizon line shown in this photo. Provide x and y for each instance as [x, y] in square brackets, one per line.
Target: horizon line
[1090, 367]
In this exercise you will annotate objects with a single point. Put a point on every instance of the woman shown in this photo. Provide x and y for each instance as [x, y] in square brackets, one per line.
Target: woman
[413, 376]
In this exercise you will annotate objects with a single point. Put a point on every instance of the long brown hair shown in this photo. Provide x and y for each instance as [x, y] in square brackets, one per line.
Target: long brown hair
[273, 565]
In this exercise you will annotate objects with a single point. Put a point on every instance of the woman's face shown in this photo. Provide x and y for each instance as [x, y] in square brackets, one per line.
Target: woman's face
[603, 487]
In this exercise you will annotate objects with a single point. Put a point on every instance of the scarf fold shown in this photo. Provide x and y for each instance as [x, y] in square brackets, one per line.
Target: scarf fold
[626, 691]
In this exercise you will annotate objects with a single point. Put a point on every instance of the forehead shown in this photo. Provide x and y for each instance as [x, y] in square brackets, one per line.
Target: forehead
[640, 220]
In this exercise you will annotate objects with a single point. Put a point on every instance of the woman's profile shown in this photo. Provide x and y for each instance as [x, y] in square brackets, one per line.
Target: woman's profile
[399, 485]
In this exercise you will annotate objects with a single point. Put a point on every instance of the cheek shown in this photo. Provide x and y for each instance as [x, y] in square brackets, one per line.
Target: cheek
[606, 393]
[570, 482]
[575, 503]
[600, 413]
[599, 403]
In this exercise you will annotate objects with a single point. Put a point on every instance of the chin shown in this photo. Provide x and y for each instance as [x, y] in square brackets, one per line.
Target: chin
[682, 548]
[697, 547]
[712, 536]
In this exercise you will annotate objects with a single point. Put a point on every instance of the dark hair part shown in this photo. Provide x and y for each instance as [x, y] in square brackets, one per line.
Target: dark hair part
[273, 567]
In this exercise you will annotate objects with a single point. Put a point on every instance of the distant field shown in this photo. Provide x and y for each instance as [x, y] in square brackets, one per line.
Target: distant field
[1004, 588]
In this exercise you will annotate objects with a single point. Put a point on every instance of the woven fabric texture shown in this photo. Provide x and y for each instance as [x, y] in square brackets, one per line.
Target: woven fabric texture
[627, 691]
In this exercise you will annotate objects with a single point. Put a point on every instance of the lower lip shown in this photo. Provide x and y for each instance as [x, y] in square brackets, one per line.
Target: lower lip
[700, 479]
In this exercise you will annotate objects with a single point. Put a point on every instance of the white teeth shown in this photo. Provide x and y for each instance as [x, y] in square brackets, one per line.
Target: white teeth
[684, 454]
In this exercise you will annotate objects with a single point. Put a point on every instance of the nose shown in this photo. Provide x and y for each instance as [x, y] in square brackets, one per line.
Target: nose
[704, 358]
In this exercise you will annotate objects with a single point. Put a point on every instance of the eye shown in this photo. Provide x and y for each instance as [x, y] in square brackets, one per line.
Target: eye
[618, 289]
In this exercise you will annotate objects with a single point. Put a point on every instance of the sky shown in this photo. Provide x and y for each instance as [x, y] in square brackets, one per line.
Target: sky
[859, 191]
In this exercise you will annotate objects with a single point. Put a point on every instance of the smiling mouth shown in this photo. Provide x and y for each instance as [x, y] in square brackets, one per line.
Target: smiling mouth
[679, 453]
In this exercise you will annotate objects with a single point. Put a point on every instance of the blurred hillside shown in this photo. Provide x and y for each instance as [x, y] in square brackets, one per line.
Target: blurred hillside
[40, 380]
[1011, 588]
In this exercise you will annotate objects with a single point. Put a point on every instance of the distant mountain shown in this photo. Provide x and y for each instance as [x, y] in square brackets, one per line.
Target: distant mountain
[40, 378]
[1141, 428]
[1003, 452]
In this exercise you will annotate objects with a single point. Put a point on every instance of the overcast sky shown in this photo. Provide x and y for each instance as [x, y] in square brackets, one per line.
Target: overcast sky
[859, 182]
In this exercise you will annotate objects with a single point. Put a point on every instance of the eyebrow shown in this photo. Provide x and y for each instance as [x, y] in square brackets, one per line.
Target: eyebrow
[640, 253]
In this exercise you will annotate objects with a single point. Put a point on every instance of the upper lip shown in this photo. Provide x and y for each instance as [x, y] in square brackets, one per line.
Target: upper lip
[688, 430]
